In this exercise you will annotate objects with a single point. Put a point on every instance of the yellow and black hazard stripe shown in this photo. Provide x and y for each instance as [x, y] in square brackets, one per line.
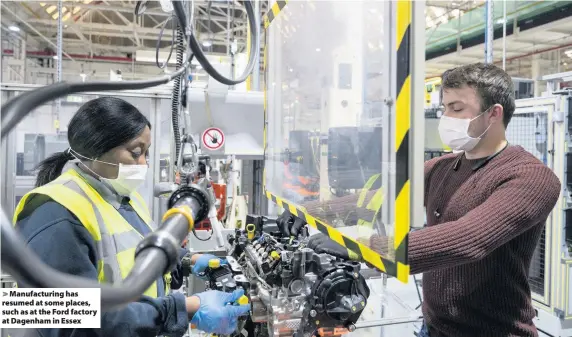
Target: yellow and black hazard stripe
[364, 252]
[273, 12]
[402, 144]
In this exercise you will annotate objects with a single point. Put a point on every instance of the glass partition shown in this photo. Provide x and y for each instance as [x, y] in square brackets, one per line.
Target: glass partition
[330, 153]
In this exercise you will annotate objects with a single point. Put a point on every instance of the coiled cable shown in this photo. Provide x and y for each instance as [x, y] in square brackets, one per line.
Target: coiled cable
[159, 40]
[175, 101]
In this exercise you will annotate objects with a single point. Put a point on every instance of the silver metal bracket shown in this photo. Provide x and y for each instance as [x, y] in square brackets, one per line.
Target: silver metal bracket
[558, 116]
[559, 313]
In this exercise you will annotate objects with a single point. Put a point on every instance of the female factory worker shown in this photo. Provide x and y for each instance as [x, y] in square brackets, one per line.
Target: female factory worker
[88, 221]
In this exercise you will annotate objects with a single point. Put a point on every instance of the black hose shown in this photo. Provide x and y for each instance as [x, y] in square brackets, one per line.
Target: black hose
[158, 46]
[18, 107]
[177, 92]
[27, 269]
[200, 55]
[154, 256]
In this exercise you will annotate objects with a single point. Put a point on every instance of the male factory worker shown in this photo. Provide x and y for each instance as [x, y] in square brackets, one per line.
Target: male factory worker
[486, 209]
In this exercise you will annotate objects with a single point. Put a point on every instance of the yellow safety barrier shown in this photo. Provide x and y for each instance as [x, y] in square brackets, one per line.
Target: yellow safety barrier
[365, 253]
[403, 124]
[276, 8]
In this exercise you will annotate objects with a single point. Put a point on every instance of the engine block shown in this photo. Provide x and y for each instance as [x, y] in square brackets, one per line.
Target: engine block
[293, 290]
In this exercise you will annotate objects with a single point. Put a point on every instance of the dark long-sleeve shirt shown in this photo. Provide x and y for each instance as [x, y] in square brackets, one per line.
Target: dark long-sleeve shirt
[484, 222]
[62, 242]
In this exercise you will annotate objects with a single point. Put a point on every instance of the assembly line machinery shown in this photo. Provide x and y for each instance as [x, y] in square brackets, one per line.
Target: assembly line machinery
[325, 295]
[339, 103]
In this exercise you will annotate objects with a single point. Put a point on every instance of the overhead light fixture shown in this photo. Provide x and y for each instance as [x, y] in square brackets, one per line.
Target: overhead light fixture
[568, 53]
[207, 43]
[318, 49]
[14, 28]
[500, 21]
[55, 57]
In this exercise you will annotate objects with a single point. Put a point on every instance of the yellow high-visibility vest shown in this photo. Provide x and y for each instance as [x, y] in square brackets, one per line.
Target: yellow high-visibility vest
[115, 239]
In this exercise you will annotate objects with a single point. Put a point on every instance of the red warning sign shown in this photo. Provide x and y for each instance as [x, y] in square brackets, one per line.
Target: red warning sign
[213, 138]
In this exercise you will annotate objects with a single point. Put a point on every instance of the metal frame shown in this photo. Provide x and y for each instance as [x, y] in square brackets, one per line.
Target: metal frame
[417, 157]
[555, 314]
[561, 259]
[156, 92]
[549, 105]
[122, 31]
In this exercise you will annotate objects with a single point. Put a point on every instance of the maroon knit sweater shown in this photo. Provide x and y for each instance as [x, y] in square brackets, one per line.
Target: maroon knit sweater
[484, 221]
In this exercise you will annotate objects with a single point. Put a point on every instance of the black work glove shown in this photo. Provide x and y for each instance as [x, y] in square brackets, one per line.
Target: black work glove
[321, 243]
[289, 224]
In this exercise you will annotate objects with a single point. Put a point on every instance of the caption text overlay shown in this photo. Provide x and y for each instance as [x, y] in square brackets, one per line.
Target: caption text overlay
[50, 308]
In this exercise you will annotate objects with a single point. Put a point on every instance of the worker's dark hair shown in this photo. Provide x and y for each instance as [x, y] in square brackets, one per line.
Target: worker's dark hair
[493, 85]
[97, 127]
[443, 76]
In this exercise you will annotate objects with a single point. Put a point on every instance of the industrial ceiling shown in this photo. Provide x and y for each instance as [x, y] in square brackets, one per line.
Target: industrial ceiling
[107, 28]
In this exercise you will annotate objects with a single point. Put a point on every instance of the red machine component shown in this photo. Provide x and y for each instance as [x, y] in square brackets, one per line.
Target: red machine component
[220, 195]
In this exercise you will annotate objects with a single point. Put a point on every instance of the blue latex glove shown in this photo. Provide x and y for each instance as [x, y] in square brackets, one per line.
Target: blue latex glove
[216, 315]
[202, 263]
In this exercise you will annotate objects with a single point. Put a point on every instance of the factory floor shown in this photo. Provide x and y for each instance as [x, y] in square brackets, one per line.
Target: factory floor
[401, 301]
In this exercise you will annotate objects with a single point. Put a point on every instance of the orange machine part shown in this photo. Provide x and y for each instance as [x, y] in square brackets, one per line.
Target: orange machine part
[331, 332]
[220, 194]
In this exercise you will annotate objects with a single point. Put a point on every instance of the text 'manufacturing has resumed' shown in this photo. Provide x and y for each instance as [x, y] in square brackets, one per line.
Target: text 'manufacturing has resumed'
[50, 308]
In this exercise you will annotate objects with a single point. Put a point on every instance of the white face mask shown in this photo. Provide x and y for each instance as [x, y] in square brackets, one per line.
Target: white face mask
[129, 177]
[454, 133]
